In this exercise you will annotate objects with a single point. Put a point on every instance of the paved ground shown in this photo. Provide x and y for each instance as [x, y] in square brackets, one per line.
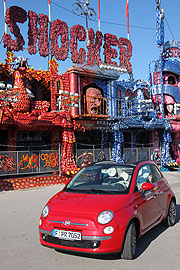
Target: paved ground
[20, 248]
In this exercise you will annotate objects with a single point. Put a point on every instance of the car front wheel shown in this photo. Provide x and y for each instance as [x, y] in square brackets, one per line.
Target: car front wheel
[171, 216]
[129, 248]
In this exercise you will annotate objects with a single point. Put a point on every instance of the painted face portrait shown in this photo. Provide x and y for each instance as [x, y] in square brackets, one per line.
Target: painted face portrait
[94, 102]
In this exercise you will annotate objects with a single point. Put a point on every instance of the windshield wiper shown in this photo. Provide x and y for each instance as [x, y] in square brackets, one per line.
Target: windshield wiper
[103, 191]
[91, 190]
[70, 189]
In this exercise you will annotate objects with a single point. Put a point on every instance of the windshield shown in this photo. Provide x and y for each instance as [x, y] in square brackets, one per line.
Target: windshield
[104, 178]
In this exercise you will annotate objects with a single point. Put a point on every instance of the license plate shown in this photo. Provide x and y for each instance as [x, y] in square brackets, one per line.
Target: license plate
[66, 235]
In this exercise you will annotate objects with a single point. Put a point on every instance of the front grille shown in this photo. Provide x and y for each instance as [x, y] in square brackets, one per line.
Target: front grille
[67, 243]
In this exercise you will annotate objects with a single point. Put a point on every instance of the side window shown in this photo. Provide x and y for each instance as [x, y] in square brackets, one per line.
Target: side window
[144, 176]
[156, 174]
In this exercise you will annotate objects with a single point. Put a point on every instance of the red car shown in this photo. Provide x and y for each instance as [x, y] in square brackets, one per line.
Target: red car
[106, 207]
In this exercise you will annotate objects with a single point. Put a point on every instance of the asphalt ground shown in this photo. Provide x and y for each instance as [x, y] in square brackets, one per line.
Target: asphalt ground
[20, 248]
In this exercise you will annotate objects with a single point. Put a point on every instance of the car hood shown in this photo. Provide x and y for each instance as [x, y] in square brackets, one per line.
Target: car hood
[67, 202]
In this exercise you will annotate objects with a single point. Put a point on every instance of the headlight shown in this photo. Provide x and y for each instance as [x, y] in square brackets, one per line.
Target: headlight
[105, 217]
[45, 211]
[40, 222]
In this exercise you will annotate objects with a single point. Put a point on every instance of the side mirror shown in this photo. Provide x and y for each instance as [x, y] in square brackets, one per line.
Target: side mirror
[145, 187]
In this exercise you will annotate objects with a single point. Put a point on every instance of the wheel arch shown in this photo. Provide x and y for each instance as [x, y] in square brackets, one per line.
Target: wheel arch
[173, 198]
[170, 199]
[126, 250]
[137, 224]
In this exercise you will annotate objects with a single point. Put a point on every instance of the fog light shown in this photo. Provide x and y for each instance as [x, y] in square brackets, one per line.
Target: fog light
[94, 244]
[108, 230]
[44, 236]
[40, 222]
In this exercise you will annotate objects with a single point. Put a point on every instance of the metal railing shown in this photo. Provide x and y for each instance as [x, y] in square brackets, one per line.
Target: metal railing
[29, 162]
[47, 161]
[132, 155]
[91, 153]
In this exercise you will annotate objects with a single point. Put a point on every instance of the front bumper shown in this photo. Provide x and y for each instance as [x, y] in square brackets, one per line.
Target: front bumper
[87, 244]
[93, 238]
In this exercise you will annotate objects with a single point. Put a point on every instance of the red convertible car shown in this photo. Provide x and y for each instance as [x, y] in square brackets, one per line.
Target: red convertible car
[106, 207]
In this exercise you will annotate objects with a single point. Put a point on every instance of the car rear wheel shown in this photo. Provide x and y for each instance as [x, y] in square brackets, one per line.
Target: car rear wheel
[130, 242]
[171, 217]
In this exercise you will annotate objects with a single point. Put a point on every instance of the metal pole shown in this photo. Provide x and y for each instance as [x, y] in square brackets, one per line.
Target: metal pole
[99, 22]
[59, 159]
[87, 31]
[49, 4]
[17, 162]
[162, 86]
[39, 161]
[5, 29]
[93, 154]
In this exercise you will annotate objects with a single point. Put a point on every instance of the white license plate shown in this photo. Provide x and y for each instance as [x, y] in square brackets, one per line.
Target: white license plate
[66, 235]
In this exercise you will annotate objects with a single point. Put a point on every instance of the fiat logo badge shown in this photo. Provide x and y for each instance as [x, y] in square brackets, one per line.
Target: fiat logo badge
[67, 222]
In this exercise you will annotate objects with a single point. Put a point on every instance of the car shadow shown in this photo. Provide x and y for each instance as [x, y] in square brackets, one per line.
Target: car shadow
[150, 236]
[105, 257]
[143, 242]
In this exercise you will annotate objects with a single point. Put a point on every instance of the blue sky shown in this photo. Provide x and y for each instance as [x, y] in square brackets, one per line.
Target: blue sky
[142, 17]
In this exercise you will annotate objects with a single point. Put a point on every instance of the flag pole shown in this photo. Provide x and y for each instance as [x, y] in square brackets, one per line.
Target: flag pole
[5, 27]
[127, 15]
[50, 21]
[49, 4]
[99, 15]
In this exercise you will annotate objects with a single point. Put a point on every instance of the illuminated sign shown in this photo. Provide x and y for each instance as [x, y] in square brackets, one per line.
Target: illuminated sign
[59, 29]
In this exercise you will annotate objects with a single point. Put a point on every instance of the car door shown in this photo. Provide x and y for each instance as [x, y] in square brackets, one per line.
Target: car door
[147, 206]
[162, 191]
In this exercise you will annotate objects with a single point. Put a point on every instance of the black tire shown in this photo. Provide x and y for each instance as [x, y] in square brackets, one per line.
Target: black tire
[171, 216]
[130, 242]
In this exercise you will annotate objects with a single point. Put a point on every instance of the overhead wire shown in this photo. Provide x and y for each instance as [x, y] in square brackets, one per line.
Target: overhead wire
[105, 22]
[169, 28]
[114, 23]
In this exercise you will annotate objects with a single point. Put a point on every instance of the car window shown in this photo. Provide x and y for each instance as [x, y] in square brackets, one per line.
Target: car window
[156, 173]
[103, 178]
[144, 176]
